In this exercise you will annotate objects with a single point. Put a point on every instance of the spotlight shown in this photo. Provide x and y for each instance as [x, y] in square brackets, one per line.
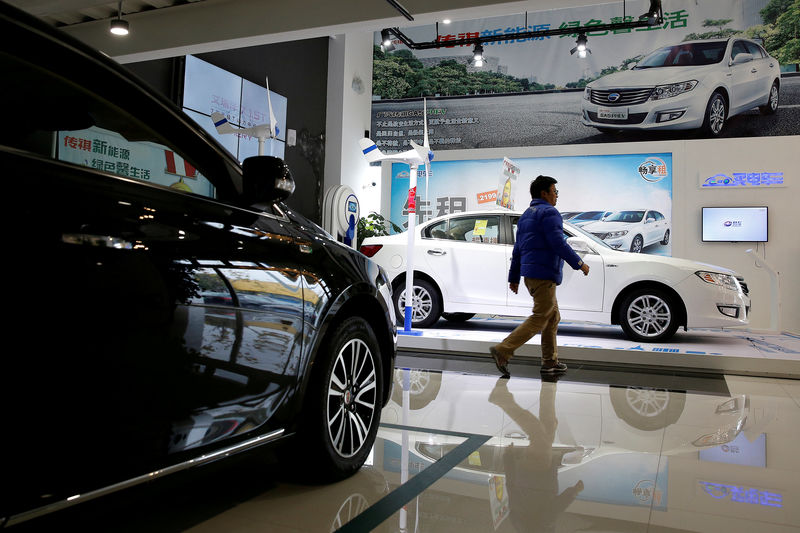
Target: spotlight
[477, 55]
[580, 46]
[119, 26]
[386, 41]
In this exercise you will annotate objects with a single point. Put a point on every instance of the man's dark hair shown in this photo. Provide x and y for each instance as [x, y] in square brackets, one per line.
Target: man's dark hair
[541, 184]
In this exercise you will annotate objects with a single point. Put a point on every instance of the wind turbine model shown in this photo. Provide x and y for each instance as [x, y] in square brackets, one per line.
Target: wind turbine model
[418, 155]
[262, 132]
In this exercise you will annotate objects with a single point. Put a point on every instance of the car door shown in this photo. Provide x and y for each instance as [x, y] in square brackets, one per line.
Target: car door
[470, 261]
[766, 71]
[123, 235]
[744, 83]
[651, 227]
[576, 292]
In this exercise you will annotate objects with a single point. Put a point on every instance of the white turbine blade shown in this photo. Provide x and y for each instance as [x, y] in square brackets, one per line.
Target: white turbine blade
[222, 124]
[273, 126]
[370, 150]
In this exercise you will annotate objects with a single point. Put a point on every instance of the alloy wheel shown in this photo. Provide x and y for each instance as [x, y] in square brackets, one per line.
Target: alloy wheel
[421, 304]
[352, 399]
[649, 315]
[647, 402]
[716, 115]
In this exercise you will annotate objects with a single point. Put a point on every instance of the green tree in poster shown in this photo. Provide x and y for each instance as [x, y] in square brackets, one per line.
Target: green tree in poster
[721, 32]
[784, 41]
[389, 78]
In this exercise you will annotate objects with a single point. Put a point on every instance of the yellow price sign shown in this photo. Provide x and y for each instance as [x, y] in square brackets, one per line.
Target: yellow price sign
[480, 227]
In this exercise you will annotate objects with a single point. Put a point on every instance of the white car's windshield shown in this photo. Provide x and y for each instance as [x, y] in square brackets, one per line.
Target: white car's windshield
[625, 216]
[685, 54]
[578, 232]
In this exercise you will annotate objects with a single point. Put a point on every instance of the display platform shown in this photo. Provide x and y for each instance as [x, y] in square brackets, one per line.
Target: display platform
[728, 351]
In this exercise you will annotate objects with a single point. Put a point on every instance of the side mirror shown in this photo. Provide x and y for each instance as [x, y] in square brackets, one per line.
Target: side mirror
[266, 179]
[742, 58]
[579, 245]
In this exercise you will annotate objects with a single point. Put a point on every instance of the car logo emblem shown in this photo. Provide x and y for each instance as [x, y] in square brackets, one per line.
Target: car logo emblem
[613, 97]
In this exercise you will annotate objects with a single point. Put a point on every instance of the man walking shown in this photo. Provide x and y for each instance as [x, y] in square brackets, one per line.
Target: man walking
[539, 254]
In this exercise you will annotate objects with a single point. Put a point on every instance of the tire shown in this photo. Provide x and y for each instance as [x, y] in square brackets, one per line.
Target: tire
[716, 115]
[647, 408]
[426, 305]
[648, 315]
[772, 103]
[343, 402]
[423, 387]
[637, 244]
[457, 317]
[665, 240]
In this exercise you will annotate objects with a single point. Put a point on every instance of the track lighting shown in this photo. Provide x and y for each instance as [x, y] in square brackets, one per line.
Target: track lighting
[386, 41]
[118, 25]
[580, 46]
[477, 55]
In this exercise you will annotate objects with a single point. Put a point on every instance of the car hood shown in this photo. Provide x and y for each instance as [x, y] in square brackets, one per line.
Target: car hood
[649, 77]
[601, 226]
[688, 265]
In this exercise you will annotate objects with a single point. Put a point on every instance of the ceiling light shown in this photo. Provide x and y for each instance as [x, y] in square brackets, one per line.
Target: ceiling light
[580, 46]
[446, 21]
[386, 41]
[119, 26]
[477, 55]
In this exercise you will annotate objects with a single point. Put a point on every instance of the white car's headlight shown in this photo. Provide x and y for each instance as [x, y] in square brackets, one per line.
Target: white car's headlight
[615, 234]
[724, 280]
[587, 94]
[673, 89]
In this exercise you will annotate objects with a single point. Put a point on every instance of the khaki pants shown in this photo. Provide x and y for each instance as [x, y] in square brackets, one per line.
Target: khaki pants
[544, 320]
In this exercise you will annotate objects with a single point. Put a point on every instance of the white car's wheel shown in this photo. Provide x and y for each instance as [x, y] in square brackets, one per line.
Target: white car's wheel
[637, 244]
[772, 104]
[665, 240]
[716, 114]
[426, 305]
[647, 408]
[648, 315]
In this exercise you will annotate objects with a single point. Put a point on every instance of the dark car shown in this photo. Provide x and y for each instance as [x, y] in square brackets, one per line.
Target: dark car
[163, 315]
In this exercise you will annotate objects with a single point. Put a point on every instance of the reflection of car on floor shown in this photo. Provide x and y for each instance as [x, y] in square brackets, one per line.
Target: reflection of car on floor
[461, 266]
[188, 326]
[631, 230]
[601, 430]
[696, 84]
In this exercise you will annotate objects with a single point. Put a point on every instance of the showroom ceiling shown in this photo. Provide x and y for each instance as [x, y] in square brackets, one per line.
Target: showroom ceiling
[69, 12]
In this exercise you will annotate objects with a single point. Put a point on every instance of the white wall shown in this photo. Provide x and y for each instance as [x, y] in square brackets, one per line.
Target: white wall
[693, 159]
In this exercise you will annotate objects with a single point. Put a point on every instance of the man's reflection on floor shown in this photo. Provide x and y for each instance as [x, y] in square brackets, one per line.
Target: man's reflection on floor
[532, 471]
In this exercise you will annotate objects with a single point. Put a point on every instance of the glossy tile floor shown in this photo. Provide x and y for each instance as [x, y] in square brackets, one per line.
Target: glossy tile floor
[464, 451]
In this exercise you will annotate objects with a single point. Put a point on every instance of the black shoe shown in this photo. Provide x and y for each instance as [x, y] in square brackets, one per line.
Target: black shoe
[501, 365]
[551, 367]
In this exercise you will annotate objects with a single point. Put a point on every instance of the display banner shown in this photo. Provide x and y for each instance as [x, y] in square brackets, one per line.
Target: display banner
[531, 91]
[110, 152]
[592, 189]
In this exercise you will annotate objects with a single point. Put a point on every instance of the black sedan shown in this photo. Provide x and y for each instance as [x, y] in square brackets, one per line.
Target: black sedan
[163, 315]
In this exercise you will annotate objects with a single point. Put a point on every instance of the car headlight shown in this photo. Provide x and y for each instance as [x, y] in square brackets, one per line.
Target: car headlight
[673, 89]
[724, 280]
[615, 234]
[721, 436]
[587, 93]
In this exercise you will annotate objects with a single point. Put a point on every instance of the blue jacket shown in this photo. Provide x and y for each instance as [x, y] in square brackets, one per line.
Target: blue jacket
[541, 249]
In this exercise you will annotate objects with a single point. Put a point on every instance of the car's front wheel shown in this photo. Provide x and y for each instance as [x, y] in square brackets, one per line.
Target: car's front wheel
[637, 244]
[772, 104]
[344, 400]
[426, 305]
[716, 114]
[648, 315]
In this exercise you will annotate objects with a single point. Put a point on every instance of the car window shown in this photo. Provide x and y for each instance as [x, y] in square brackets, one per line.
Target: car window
[754, 49]
[626, 216]
[76, 126]
[437, 231]
[695, 54]
[480, 229]
[651, 216]
[738, 48]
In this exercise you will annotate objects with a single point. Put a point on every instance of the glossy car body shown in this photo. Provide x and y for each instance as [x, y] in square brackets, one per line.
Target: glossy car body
[587, 217]
[691, 85]
[461, 266]
[631, 230]
[157, 328]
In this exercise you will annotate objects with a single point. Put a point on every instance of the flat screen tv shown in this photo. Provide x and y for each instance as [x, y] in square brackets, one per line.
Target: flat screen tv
[735, 224]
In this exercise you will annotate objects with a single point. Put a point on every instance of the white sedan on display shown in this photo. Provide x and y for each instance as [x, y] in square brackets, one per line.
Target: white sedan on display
[631, 230]
[461, 266]
[691, 85]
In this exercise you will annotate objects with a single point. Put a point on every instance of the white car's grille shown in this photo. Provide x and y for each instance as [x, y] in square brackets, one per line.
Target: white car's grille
[615, 97]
